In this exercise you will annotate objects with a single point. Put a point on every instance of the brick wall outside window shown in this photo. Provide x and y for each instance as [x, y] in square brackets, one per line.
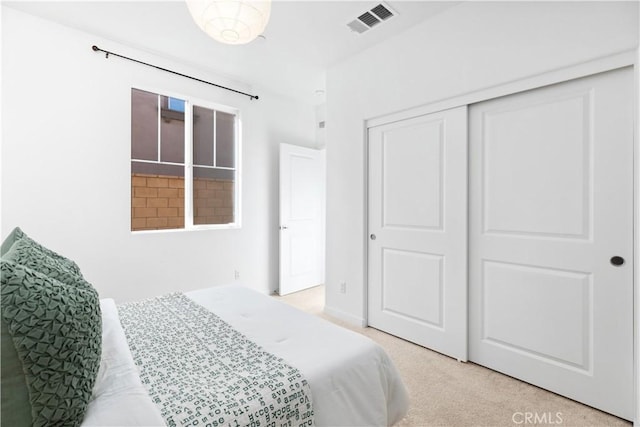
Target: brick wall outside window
[157, 202]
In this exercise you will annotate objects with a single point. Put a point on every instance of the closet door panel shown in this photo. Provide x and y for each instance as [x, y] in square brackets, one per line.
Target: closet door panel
[551, 180]
[528, 166]
[417, 230]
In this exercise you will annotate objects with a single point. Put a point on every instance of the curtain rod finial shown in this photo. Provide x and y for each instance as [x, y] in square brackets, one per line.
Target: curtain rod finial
[95, 48]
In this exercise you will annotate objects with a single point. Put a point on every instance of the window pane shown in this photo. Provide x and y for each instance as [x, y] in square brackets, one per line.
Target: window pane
[157, 196]
[175, 104]
[171, 133]
[157, 189]
[225, 139]
[144, 125]
[202, 136]
[213, 196]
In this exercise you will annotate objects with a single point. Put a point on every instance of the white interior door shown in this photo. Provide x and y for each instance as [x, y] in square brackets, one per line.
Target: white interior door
[417, 253]
[551, 207]
[301, 205]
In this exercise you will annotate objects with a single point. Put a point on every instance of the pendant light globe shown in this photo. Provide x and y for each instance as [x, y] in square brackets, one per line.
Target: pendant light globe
[231, 21]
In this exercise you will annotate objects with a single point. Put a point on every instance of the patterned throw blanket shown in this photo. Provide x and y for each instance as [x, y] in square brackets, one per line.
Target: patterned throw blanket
[200, 371]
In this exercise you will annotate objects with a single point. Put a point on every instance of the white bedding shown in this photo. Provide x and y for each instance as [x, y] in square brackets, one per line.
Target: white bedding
[353, 381]
[119, 398]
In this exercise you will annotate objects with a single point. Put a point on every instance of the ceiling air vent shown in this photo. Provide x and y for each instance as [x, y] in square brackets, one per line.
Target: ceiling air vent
[371, 18]
[357, 26]
[382, 12]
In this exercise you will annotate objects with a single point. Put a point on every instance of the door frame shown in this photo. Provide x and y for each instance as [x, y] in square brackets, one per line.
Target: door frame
[595, 66]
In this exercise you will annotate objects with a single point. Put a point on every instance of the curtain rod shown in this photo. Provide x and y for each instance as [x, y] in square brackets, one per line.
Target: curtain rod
[107, 53]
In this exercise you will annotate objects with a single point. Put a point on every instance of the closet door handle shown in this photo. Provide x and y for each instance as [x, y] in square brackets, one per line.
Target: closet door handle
[617, 261]
[372, 237]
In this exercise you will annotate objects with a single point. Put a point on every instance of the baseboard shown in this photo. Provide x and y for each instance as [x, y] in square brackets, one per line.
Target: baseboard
[345, 317]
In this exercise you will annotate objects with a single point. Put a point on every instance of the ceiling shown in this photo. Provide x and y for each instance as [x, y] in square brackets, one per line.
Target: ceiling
[303, 37]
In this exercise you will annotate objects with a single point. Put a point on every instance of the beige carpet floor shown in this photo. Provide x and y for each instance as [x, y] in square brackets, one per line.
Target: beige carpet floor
[445, 392]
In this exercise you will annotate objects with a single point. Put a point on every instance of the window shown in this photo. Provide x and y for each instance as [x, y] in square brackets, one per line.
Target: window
[183, 163]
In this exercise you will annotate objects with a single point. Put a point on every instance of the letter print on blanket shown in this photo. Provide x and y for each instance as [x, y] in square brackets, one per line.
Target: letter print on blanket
[202, 372]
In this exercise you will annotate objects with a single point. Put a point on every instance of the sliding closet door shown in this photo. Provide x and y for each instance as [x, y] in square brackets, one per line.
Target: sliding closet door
[551, 255]
[418, 230]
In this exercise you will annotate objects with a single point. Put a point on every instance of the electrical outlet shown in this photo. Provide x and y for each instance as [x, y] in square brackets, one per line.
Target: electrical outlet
[343, 287]
[236, 274]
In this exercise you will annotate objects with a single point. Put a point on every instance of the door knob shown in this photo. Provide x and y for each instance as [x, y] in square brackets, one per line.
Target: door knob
[283, 227]
[373, 237]
[617, 261]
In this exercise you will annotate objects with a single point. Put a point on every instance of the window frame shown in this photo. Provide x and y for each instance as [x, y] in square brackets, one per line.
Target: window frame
[189, 103]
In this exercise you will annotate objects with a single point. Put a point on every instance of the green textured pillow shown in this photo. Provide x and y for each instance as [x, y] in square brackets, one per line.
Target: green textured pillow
[23, 252]
[14, 236]
[56, 334]
[66, 261]
[18, 235]
[16, 409]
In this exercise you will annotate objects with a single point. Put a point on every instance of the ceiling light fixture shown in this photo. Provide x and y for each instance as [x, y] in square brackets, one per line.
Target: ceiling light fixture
[231, 21]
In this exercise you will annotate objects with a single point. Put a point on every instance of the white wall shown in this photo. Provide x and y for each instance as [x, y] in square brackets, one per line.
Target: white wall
[472, 46]
[637, 238]
[321, 132]
[65, 164]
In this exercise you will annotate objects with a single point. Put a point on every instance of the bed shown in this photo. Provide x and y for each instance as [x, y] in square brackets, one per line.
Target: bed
[162, 362]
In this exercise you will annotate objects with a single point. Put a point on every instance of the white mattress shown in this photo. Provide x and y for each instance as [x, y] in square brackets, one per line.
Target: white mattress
[353, 381]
